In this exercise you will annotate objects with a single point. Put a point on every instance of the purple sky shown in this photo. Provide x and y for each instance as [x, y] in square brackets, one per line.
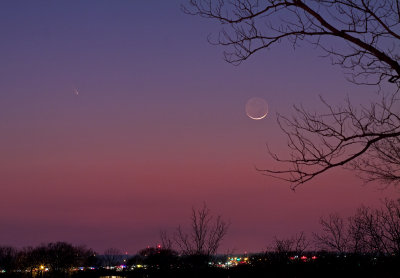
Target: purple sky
[159, 126]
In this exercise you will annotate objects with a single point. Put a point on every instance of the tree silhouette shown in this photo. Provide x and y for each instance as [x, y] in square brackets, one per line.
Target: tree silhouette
[205, 234]
[61, 256]
[379, 229]
[158, 257]
[8, 258]
[296, 244]
[58, 257]
[373, 231]
[334, 237]
[362, 36]
[112, 257]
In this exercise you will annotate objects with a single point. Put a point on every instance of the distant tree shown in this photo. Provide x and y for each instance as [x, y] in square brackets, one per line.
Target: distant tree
[8, 258]
[297, 244]
[135, 260]
[34, 257]
[363, 37]
[389, 220]
[205, 234]
[334, 235]
[158, 257]
[57, 256]
[86, 257]
[22, 259]
[112, 257]
[377, 231]
[166, 241]
[61, 256]
[356, 233]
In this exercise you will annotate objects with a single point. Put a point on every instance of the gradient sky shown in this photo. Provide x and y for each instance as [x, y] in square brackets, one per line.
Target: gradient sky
[158, 127]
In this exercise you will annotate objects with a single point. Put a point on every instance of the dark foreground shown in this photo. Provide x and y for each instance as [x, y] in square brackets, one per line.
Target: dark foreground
[388, 267]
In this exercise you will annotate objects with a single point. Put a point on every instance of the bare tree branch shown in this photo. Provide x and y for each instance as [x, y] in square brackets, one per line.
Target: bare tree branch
[362, 139]
[370, 28]
[363, 37]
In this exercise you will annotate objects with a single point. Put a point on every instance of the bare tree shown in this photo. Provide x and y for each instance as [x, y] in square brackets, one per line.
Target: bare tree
[56, 256]
[382, 162]
[375, 231]
[300, 243]
[112, 257]
[356, 234]
[61, 256]
[283, 246]
[166, 241]
[8, 258]
[363, 139]
[334, 235]
[378, 231]
[362, 36]
[205, 236]
[389, 217]
[296, 244]
[368, 27]
[371, 233]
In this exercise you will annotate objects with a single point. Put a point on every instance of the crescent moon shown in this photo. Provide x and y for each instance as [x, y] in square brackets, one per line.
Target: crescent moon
[254, 118]
[256, 108]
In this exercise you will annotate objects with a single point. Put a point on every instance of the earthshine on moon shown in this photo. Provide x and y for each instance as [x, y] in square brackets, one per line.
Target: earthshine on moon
[256, 108]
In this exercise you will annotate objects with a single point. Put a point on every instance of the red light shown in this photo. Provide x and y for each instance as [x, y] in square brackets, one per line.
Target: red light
[303, 258]
[313, 257]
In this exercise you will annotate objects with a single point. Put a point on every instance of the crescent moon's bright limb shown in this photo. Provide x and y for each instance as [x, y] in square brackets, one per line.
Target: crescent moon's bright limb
[254, 118]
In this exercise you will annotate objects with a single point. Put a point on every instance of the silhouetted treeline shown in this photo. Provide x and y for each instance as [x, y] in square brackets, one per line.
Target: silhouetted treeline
[56, 257]
[64, 260]
[375, 231]
[366, 244]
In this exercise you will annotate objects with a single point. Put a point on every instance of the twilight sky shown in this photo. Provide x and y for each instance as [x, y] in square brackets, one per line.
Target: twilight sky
[159, 126]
